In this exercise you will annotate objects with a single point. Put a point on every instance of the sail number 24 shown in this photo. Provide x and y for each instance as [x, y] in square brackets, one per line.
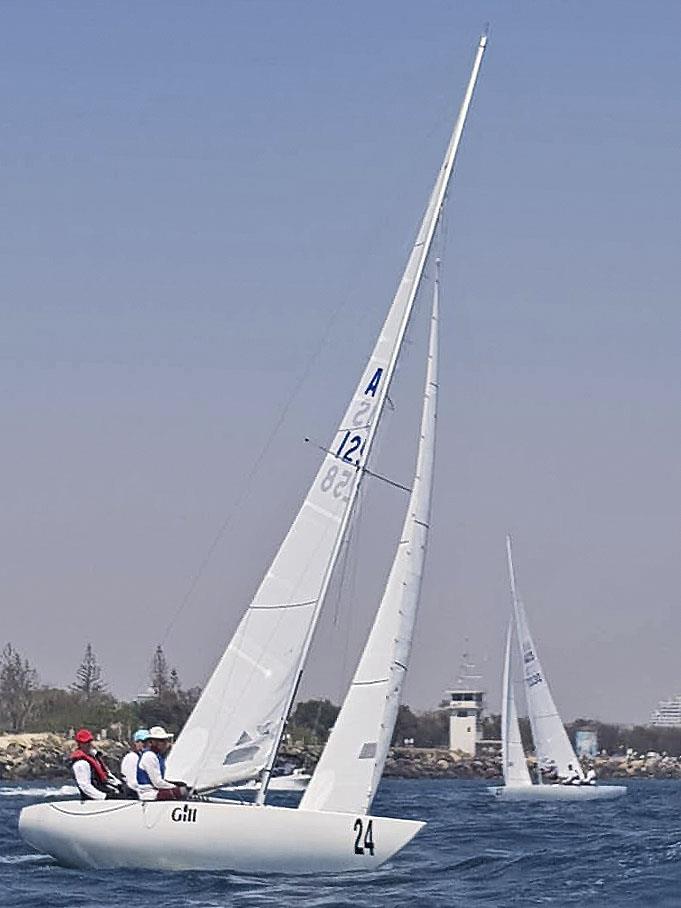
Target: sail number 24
[364, 838]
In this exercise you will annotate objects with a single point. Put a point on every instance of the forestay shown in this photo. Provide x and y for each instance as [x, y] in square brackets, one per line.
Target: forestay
[513, 759]
[551, 742]
[351, 765]
[236, 724]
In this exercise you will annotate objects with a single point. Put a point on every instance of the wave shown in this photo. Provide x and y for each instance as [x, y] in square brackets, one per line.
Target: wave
[25, 859]
[65, 791]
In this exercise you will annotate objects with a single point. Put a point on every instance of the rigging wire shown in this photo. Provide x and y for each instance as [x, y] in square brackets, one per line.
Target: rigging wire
[246, 486]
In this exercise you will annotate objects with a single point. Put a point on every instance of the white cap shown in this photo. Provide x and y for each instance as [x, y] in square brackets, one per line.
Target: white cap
[158, 733]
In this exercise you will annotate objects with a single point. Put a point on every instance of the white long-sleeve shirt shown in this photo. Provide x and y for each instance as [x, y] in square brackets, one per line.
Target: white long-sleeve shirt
[129, 769]
[149, 763]
[83, 775]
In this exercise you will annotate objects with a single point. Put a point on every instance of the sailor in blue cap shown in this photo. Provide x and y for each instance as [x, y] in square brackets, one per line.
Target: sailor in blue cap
[131, 759]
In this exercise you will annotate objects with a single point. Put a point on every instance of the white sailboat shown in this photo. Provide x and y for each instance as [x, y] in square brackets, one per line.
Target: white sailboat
[555, 754]
[236, 728]
[514, 764]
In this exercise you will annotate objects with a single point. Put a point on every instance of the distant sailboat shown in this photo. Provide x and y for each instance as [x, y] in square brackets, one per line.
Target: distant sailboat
[555, 753]
[236, 728]
[514, 764]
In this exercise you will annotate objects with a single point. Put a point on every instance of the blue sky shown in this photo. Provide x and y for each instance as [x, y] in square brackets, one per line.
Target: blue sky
[206, 210]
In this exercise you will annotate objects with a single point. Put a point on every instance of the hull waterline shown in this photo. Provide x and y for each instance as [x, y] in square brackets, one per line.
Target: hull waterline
[557, 792]
[208, 836]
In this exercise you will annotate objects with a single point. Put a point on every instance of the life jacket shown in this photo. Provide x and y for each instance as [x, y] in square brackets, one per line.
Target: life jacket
[98, 770]
[143, 775]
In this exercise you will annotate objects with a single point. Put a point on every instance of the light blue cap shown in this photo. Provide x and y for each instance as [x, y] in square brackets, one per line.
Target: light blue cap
[141, 734]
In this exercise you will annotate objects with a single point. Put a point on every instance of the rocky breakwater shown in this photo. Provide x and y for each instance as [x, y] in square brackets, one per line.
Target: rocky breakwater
[45, 756]
[439, 763]
[632, 765]
[411, 762]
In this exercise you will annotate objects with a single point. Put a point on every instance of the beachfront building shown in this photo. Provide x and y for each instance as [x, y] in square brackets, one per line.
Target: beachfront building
[668, 713]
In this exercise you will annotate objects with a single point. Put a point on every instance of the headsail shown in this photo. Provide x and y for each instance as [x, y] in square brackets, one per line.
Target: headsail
[351, 765]
[235, 727]
[513, 760]
[551, 742]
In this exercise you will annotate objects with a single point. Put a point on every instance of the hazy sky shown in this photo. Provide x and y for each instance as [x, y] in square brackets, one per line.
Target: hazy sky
[205, 211]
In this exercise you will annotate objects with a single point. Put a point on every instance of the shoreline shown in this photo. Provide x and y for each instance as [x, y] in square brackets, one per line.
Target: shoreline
[24, 757]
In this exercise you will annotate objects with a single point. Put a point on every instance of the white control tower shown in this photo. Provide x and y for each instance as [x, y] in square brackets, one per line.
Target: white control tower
[466, 704]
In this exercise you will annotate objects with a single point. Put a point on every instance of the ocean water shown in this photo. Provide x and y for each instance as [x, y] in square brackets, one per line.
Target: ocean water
[474, 852]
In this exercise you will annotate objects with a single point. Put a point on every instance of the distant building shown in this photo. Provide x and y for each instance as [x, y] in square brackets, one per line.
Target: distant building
[466, 703]
[668, 713]
[465, 719]
[586, 743]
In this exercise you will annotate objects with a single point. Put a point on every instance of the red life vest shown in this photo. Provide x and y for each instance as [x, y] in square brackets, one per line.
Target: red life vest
[96, 765]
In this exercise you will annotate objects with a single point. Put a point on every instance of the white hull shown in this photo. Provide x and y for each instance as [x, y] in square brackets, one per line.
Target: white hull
[558, 792]
[207, 836]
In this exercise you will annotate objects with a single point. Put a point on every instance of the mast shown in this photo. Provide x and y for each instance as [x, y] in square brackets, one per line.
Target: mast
[511, 571]
[235, 729]
[410, 282]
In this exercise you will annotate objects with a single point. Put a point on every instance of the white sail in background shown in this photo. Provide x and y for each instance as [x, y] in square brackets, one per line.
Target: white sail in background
[513, 760]
[351, 765]
[235, 727]
[552, 745]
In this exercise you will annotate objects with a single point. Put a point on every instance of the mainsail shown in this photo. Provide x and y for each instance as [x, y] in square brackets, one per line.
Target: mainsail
[351, 765]
[513, 760]
[551, 742]
[234, 729]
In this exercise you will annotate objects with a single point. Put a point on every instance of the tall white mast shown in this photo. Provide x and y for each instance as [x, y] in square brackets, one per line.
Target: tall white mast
[235, 728]
[409, 285]
[511, 572]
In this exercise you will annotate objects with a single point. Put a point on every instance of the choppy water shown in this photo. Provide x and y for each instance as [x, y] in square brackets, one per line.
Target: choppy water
[474, 852]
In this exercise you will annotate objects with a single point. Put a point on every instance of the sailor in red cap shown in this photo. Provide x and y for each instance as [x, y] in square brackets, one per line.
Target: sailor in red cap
[93, 779]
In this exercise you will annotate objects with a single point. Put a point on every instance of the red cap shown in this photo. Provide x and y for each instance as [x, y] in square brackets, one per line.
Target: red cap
[84, 736]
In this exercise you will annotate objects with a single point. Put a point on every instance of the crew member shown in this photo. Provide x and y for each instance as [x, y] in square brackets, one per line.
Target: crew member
[92, 776]
[590, 777]
[151, 769]
[130, 761]
[571, 776]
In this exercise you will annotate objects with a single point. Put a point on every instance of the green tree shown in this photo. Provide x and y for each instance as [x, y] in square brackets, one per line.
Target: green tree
[89, 684]
[313, 719]
[405, 727]
[18, 686]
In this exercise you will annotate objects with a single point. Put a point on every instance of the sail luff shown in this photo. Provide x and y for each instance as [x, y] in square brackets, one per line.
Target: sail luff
[350, 768]
[513, 759]
[551, 742]
[505, 691]
[234, 730]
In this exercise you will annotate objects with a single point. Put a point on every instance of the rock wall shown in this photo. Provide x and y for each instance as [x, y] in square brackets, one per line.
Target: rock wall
[45, 756]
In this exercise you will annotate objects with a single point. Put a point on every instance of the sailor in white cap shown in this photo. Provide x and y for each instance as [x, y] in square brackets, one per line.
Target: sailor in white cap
[151, 769]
